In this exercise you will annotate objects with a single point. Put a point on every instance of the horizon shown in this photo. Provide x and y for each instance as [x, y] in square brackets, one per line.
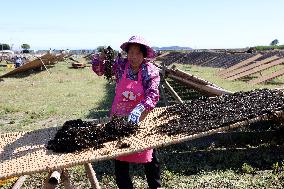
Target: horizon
[88, 24]
[90, 49]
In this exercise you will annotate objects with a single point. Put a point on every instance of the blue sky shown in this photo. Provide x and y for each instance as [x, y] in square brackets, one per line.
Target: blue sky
[75, 24]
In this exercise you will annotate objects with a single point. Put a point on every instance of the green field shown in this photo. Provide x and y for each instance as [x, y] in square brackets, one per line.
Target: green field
[37, 100]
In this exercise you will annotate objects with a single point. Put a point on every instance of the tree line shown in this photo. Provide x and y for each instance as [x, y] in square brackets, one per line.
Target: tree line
[4, 46]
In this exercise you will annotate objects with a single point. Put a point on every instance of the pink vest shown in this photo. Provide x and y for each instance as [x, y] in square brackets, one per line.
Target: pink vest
[128, 94]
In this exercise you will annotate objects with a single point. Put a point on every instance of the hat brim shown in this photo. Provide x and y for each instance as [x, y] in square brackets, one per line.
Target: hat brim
[150, 51]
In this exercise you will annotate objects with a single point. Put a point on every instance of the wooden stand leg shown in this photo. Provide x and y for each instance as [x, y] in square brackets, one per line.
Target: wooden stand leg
[92, 176]
[66, 180]
[19, 182]
[55, 178]
[47, 185]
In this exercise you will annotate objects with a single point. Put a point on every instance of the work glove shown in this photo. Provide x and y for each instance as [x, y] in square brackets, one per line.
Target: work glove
[135, 114]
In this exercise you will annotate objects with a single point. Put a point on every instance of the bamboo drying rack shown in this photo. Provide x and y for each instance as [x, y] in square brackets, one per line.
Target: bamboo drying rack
[25, 153]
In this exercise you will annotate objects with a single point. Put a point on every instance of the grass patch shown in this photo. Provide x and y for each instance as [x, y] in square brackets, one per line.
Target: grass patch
[67, 93]
[270, 47]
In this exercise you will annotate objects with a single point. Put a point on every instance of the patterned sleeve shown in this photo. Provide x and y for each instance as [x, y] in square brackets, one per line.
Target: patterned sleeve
[151, 87]
[97, 65]
[118, 68]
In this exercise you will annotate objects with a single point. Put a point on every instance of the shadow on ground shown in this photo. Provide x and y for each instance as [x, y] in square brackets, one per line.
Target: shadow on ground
[260, 145]
[104, 106]
[27, 72]
[247, 78]
[221, 151]
[274, 82]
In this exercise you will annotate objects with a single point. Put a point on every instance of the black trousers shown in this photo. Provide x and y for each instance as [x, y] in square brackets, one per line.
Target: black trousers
[152, 171]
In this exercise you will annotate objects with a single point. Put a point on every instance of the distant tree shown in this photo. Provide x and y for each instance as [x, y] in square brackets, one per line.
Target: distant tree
[5, 47]
[274, 42]
[25, 46]
[100, 48]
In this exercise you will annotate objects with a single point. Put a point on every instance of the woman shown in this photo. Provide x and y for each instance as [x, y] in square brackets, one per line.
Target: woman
[136, 93]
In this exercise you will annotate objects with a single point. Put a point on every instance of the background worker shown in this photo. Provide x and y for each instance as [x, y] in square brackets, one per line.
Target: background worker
[18, 61]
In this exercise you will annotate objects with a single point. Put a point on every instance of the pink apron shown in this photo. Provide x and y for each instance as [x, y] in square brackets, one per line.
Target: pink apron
[128, 94]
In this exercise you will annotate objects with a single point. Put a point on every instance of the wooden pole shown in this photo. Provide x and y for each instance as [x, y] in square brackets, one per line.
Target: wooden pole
[183, 74]
[19, 182]
[66, 180]
[162, 89]
[163, 94]
[172, 91]
[205, 88]
[92, 176]
[189, 77]
[44, 65]
[47, 185]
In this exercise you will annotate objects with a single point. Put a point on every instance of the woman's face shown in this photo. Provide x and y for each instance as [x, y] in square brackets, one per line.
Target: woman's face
[135, 55]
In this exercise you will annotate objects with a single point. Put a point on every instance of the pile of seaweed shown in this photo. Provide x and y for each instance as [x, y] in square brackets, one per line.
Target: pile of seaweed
[196, 116]
[76, 135]
[207, 113]
[109, 61]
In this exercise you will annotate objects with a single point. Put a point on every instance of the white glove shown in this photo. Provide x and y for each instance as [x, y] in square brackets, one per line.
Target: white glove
[135, 114]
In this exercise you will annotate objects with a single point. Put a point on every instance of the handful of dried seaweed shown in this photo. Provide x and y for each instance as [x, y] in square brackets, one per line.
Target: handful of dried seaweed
[76, 135]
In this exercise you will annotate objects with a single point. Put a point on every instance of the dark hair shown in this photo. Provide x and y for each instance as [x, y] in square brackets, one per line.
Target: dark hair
[143, 49]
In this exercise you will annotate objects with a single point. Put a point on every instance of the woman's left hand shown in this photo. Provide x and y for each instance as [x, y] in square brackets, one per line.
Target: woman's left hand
[135, 114]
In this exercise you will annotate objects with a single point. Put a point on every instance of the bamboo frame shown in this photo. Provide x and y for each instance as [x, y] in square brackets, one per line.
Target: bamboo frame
[239, 65]
[195, 82]
[257, 69]
[24, 153]
[267, 77]
[249, 67]
[47, 58]
[163, 94]
[20, 182]
[208, 89]
[92, 176]
[172, 91]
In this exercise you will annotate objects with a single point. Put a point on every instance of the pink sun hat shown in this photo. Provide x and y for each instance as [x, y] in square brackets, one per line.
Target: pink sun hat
[142, 41]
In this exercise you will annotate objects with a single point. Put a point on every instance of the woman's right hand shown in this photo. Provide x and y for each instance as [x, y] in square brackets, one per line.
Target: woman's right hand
[98, 63]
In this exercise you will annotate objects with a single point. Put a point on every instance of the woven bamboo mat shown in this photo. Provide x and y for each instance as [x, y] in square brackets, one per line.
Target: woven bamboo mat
[24, 153]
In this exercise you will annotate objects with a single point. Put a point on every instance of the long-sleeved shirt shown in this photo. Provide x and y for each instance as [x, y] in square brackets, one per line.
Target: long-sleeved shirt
[150, 78]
